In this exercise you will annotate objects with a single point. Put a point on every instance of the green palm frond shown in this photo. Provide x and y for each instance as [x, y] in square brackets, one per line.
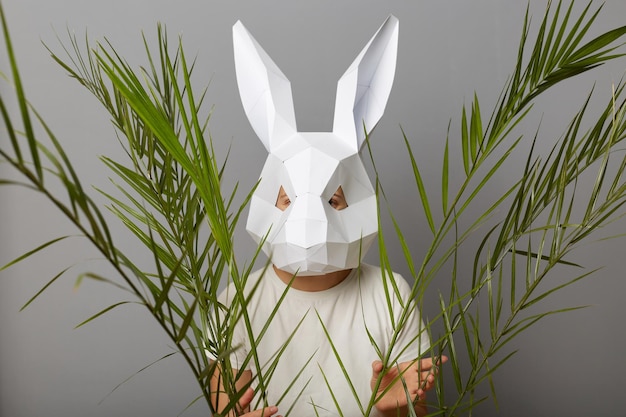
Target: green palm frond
[540, 210]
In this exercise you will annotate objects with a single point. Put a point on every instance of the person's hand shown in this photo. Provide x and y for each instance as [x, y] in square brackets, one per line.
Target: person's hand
[244, 403]
[415, 377]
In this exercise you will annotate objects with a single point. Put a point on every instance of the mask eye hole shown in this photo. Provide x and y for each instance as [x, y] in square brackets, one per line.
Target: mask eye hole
[282, 200]
[338, 200]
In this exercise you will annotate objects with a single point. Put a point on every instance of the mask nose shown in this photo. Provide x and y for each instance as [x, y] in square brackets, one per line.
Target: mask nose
[307, 224]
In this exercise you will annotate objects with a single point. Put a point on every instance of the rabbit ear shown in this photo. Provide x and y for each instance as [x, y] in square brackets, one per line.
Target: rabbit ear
[265, 91]
[363, 90]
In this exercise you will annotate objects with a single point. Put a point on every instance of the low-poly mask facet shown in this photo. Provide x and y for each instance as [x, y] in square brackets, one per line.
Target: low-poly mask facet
[310, 236]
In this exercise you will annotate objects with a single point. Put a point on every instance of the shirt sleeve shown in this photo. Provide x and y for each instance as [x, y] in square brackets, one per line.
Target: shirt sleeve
[240, 347]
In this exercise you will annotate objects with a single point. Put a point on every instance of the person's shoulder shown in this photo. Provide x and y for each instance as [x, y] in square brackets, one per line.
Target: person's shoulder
[253, 282]
[378, 286]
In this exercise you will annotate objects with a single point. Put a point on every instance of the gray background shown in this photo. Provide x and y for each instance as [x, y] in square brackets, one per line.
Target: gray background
[567, 365]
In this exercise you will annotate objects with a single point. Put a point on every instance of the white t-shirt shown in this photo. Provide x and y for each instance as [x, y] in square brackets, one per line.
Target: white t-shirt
[343, 317]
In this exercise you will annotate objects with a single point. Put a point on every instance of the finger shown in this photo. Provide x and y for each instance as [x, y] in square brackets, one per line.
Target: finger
[263, 412]
[377, 367]
[246, 399]
[427, 381]
[421, 395]
[432, 364]
[425, 364]
[441, 360]
[432, 372]
[427, 376]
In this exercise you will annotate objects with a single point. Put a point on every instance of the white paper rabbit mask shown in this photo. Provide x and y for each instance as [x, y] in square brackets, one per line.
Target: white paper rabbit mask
[310, 236]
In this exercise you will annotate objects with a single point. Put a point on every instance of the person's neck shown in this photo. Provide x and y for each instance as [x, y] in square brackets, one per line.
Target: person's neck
[312, 282]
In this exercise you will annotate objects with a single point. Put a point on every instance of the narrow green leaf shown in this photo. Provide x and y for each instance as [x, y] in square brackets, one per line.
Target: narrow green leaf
[33, 298]
[420, 186]
[21, 98]
[106, 310]
[32, 252]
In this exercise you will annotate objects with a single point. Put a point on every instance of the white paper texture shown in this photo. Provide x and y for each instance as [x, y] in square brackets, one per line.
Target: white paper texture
[310, 237]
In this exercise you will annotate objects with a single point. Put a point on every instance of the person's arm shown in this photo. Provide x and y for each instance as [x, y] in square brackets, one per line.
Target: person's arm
[220, 400]
[417, 377]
